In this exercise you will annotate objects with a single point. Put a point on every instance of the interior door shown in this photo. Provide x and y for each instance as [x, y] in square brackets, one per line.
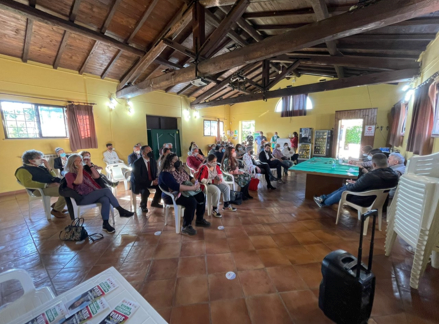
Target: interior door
[369, 117]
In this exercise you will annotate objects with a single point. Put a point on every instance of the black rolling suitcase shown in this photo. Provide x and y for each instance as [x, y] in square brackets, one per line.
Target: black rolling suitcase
[348, 287]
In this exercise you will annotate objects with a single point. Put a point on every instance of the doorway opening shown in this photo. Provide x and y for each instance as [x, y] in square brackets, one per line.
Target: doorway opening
[247, 128]
[350, 132]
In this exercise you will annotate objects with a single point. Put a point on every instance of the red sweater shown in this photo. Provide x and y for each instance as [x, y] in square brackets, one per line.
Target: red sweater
[203, 173]
[294, 141]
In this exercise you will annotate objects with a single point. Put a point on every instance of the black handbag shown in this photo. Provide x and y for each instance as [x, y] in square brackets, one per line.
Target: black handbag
[76, 232]
[235, 197]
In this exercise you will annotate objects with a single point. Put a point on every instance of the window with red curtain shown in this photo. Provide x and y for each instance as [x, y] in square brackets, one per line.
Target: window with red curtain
[293, 106]
[80, 121]
[397, 129]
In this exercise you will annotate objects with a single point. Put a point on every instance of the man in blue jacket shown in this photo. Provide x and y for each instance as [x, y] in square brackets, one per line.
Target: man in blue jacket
[135, 155]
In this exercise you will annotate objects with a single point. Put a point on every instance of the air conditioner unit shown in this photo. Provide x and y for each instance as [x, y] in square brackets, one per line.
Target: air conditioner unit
[199, 82]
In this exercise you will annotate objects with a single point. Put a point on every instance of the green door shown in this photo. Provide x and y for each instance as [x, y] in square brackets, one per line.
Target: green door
[158, 137]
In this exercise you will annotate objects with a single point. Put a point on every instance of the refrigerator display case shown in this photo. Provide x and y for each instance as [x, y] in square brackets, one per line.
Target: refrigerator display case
[322, 143]
[305, 144]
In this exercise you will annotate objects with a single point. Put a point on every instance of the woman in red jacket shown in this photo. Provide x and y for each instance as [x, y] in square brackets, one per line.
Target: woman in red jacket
[210, 175]
[294, 142]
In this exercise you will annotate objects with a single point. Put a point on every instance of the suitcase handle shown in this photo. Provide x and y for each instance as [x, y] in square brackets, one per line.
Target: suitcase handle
[373, 213]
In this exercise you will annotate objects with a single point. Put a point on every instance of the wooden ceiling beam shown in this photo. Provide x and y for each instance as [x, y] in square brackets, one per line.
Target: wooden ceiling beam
[293, 12]
[283, 74]
[142, 20]
[409, 37]
[198, 26]
[220, 3]
[376, 15]
[245, 25]
[180, 48]
[110, 16]
[223, 29]
[33, 3]
[211, 19]
[27, 39]
[373, 78]
[74, 10]
[184, 89]
[110, 65]
[45, 18]
[168, 64]
[84, 65]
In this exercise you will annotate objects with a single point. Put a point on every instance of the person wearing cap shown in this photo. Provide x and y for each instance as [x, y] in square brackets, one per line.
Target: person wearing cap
[60, 162]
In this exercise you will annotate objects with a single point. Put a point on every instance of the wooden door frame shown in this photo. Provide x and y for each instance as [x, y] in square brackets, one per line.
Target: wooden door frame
[369, 117]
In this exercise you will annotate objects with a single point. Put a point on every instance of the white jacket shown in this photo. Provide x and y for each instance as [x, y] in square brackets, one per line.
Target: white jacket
[288, 153]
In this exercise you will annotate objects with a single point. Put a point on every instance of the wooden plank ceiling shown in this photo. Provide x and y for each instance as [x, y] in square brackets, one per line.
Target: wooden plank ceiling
[142, 42]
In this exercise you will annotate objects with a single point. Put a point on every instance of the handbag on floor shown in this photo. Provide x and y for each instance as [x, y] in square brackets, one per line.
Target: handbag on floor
[253, 186]
[235, 197]
[76, 232]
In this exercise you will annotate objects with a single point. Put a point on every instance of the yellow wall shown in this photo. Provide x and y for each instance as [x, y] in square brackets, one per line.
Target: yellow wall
[117, 126]
[429, 66]
[322, 115]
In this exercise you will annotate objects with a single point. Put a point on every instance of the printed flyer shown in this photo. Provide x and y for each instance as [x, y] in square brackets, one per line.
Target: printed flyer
[53, 315]
[121, 313]
[82, 301]
[87, 313]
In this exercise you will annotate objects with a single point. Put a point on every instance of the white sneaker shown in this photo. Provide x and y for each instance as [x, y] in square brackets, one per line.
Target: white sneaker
[231, 208]
[216, 213]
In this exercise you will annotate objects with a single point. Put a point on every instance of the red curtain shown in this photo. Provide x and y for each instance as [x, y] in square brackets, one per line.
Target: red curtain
[398, 113]
[420, 141]
[82, 132]
[293, 106]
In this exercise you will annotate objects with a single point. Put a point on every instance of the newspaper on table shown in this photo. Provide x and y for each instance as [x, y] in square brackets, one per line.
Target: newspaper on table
[82, 301]
[53, 315]
[87, 313]
[121, 313]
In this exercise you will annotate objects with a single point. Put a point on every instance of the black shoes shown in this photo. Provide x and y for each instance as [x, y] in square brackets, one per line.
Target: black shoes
[108, 228]
[203, 223]
[318, 201]
[189, 230]
[156, 205]
[272, 188]
[114, 184]
[123, 212]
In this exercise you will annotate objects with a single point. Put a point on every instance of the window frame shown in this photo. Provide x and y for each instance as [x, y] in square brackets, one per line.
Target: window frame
[403, 123]
[36, 107]
[210, 121]
[436, 118]
[308, 101]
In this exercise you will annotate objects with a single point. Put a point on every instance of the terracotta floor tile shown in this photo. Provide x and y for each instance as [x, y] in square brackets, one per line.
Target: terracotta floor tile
[235, 231]
[392, 319]
[193, 248]
[256, 282]
[191, 314]
[298, 254]
[273, 257]
[327, 236]
[307, 238]
[163, 269]
[191, 290]
[167, 251]
[220, 263]
[217, 246]
[247, 260]
[296, 227]
[263, 242]
[229, 312]
[222, 288]
[303, 307]
[285, 278]
[267, 309]
[191, 266]
[285, 239]
[318, 251]
[240, 244]
[255, 230]
[159, 293]
[165, 313]
[276, 228]
[212, 234]
[310, 273]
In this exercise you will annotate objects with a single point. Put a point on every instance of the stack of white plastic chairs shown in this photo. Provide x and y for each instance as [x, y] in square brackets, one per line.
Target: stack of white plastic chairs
[414, 214]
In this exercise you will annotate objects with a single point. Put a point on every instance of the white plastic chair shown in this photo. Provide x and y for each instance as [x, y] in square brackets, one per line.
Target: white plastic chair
[178, 211]
[230, 183]
[378, 203]
[118, 172]
[45, 199]
[80, 209]
[31, 299]
[425, 165]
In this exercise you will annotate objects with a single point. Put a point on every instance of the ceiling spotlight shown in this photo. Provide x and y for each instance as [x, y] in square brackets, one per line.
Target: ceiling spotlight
[406, 87]
[409, 95]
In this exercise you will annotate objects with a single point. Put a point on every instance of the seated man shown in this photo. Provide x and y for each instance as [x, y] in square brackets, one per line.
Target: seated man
[286, 163]
[110, 155]
[195, 159]
[144, 177]
[60, 162]
[381, 177]
[266, 157]
[288, 152]
[396, 163]
[36, 173]
[135, 155]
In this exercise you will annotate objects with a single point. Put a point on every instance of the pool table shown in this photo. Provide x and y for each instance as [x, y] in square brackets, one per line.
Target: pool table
[321, 178]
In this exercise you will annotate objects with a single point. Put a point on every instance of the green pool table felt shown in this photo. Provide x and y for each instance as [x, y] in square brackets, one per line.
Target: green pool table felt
[324, 165]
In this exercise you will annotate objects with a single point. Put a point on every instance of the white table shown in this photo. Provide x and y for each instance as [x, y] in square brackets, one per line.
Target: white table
[145, 314]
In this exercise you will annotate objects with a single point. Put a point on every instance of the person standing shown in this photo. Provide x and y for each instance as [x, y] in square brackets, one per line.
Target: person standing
[294, 142]
[274, 139]
[144, 177]
[110, 155]
[260, 141]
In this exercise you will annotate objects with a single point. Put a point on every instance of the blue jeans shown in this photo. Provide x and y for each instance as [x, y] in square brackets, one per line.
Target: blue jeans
[333, 197]
[101, 196]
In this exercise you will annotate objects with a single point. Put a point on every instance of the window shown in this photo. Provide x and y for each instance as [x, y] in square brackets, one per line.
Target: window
[25, 120]
[404, 122]
[278, 108]
[435, 131]
[247, 128]
[211, 128]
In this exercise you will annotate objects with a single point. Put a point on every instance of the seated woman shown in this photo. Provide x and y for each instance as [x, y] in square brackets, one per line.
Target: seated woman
[240, 151]
[251, 166]
[103, 181]
[286, 163]
[230, 165]
[195, 145]
[173, 178]
[210, 175]
[60, 162]
[85, 185]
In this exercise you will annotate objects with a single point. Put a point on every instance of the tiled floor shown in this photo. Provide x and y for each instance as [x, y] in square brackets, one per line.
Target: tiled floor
[274, 243]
